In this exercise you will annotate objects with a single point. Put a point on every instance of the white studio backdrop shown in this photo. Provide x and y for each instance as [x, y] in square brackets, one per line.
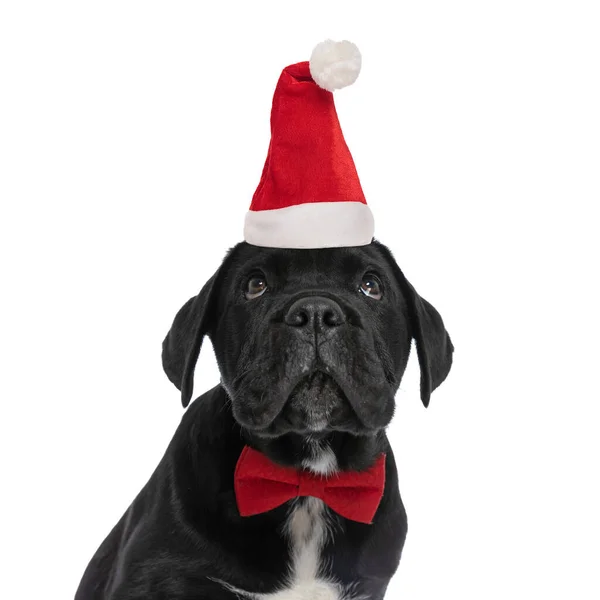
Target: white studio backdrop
[132, 136]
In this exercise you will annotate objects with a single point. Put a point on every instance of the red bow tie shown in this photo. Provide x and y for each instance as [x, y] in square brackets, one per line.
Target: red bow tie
[261, 485]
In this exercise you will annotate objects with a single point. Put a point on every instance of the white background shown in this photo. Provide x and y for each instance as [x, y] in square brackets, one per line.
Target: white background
[132, 136]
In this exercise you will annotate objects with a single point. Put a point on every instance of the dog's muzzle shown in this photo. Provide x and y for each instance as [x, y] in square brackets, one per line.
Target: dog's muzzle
[315, 320]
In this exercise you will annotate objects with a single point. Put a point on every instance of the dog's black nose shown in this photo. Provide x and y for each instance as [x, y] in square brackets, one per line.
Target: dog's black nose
[315, 312]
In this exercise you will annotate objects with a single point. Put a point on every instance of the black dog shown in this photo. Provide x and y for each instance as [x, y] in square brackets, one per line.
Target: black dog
[311, 346]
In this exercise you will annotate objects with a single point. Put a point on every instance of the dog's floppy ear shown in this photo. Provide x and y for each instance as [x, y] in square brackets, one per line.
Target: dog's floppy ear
[434, 347]
[195, 319]
[181, 347]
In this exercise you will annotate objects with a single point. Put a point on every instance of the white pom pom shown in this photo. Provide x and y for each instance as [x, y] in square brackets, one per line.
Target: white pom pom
[334, 65]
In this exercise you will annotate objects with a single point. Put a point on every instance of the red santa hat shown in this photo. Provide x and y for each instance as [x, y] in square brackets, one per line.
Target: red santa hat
[309, 195]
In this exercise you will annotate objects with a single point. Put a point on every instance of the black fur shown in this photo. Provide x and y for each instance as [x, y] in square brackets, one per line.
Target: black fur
[311, 349]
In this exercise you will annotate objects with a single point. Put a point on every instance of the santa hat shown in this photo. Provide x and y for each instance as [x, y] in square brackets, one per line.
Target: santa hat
[309, 195]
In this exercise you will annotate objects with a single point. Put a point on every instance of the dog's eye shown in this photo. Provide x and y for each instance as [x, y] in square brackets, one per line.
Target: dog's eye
[256, 286]
[371, 286]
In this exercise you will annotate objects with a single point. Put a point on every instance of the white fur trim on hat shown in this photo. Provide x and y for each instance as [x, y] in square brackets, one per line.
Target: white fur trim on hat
[314, 225]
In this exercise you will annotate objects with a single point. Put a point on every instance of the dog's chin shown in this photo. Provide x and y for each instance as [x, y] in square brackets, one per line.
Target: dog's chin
[316, 403]
[315, 407]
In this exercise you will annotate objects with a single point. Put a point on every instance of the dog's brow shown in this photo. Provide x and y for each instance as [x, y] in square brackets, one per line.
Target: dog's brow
[354, 263]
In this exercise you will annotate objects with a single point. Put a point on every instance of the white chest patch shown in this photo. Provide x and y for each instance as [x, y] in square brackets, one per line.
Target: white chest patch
[322, 462]
[307, 532]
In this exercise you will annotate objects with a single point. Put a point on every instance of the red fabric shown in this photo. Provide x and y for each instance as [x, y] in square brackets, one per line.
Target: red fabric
[308, 159]
[261, 485]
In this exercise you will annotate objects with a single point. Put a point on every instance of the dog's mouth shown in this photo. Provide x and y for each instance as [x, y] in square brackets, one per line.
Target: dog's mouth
[315, 397]
[317, 403]
[317, 381]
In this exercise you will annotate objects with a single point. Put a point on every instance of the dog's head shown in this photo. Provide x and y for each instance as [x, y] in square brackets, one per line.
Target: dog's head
[309, 340]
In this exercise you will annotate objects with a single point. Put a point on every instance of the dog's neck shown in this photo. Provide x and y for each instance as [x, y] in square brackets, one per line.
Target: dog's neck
[323, 454]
